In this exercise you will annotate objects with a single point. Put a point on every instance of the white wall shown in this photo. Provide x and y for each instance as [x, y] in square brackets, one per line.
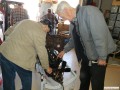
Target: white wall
[34, 10]
[31, 6]
[105, 5]
[45, 6]
[73, 3]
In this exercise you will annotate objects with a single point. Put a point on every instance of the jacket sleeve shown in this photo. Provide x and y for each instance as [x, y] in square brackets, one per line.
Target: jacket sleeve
[99, 31]
[39, 44]
[70, 44]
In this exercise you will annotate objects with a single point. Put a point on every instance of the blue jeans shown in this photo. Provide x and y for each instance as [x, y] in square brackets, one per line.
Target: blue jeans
[9, 70]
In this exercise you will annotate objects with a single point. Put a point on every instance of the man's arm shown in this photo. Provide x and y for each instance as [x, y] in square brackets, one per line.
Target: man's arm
[99, 29]
[69, 45]
[39, 44]
[67, 48]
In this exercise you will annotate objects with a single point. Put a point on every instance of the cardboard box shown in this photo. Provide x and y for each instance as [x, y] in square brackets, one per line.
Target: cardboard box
[63, 27]
[116, 2]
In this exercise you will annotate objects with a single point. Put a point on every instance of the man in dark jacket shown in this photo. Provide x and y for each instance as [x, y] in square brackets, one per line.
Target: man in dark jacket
[50, 16]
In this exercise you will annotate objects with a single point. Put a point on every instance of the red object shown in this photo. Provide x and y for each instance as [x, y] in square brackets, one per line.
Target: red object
[0, 41]
[2, 10]
[1, 81]
[93, 4]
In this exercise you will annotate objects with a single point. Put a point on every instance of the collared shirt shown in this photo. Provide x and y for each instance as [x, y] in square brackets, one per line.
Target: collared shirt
[18, 14]
[24, 43]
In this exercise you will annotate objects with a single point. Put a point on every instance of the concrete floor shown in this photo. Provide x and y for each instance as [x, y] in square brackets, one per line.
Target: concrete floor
[112, 78]
[112, 74]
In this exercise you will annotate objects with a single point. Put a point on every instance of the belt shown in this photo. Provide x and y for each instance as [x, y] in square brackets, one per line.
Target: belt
[92, 62]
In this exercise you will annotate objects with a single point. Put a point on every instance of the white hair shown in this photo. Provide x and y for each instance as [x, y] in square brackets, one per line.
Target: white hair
[61, 6]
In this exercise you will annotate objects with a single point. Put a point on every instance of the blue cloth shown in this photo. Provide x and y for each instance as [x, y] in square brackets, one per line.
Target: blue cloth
[9, 70]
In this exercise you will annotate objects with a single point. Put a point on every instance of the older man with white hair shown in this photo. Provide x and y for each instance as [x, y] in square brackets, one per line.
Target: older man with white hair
[92, 41]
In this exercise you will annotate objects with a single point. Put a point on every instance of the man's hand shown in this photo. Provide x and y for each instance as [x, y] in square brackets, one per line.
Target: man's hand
[60, 55]
[102, 62]
[49, 70]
